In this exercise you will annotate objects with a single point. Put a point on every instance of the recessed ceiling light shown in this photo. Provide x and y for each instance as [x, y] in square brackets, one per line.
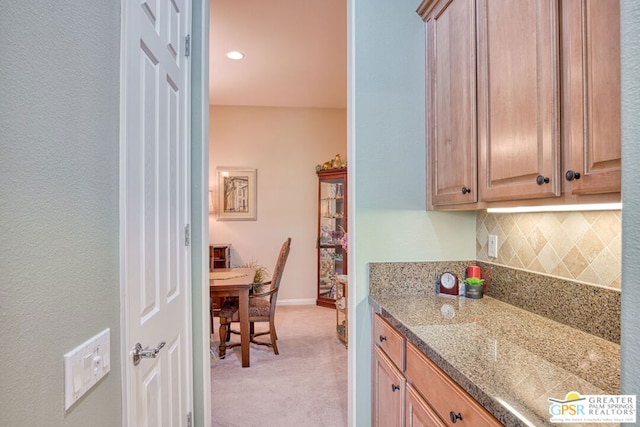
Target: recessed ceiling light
[234, 54]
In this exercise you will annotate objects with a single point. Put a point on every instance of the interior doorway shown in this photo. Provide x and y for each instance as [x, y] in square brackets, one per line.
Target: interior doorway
[288, 75]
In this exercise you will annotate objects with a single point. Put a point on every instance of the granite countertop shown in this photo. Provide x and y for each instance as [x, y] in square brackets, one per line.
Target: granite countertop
[509, 359]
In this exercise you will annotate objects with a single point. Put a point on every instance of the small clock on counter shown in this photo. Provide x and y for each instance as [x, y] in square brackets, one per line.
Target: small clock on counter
[448, 284]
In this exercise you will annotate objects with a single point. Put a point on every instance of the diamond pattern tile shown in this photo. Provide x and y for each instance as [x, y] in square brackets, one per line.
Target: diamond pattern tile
[583, 246]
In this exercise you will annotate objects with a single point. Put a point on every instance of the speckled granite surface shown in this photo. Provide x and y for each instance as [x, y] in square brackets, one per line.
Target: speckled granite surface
[592, 309]
[509, 359]
[397, 278]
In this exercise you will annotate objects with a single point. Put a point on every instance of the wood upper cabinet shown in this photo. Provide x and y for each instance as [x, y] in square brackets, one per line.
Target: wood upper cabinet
[523, 102]
[591, 96]
[451, 101]
[518, 99]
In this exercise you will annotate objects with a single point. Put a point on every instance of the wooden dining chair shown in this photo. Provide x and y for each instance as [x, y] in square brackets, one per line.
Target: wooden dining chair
[262, 308]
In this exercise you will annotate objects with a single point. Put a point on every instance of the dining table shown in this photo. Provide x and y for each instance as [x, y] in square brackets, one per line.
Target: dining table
[235, 282]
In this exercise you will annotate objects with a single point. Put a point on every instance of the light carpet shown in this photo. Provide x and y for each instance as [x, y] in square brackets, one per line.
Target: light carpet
[305, 385]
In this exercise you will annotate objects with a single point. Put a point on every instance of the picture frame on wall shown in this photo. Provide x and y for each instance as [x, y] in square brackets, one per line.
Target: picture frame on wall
[237, 194]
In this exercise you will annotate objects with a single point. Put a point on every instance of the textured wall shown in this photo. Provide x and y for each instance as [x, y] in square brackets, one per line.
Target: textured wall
[630, 51]
[583, 246]
[388, 134]
[59, 276]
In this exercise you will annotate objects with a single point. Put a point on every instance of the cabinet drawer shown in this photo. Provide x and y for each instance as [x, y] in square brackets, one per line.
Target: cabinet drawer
[443, 394]
[417, 412]
[389, 340]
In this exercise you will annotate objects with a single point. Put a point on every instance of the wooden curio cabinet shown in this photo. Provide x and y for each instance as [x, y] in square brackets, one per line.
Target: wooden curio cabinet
[332, 226]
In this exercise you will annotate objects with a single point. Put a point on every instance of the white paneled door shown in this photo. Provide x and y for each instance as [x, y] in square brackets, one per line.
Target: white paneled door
[155, 210]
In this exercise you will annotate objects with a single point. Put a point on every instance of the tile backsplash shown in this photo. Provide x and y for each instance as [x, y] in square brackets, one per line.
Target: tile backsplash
[583, 246]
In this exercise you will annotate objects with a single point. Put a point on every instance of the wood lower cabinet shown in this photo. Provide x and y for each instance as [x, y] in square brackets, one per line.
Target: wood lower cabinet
[418, 413]
[448, 399]
[388, 392]
[389, 340]
[410, 390]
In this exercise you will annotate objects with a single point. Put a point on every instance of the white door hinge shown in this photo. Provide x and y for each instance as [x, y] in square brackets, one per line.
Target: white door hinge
[187, 235]
[187, 45]
[189, 420]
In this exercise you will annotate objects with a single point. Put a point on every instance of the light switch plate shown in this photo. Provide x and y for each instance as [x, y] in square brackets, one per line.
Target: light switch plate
[85, 365]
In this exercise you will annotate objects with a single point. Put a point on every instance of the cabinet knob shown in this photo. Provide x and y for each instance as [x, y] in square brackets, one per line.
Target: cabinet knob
[394, 387]
[571, 175]
[466, 190]
[382, 338]
[455, 417]
[542, 180]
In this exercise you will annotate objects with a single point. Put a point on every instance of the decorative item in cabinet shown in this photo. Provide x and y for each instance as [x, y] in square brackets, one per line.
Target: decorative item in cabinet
[342, 310]
[332, 230]
[219, 255]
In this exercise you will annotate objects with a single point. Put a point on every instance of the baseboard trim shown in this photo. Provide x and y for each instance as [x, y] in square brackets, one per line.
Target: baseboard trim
[301, 301]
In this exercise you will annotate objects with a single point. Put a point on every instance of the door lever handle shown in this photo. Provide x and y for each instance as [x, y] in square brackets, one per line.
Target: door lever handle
[139, 353]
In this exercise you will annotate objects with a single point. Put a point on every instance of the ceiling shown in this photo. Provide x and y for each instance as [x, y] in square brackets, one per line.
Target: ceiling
[295, 53]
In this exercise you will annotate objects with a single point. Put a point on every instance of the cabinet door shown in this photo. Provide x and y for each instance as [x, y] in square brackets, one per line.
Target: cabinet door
[518, 114]
[451, 103]
[388, 392]
[591, 102]
[443, 394]
[418, 413]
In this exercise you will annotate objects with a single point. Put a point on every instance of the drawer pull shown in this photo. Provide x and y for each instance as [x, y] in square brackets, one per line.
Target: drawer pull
[455, 417]
[397, 387]
[382, 338]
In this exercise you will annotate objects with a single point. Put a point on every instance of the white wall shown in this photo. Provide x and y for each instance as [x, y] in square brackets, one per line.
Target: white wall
[59, 274]
[387, 128]
[284, 145]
